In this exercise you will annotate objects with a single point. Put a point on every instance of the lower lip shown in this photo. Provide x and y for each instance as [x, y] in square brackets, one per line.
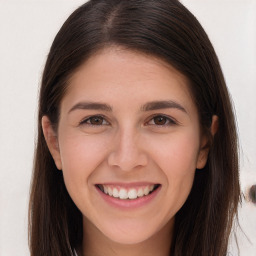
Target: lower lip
[129, 203]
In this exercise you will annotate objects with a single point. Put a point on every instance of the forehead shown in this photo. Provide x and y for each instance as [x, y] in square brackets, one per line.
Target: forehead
[116, 73]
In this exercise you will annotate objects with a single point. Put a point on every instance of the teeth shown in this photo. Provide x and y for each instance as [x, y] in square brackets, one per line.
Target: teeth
[132, 194]
[140, 192]
[146, 190]
[115, 192]
[123, 193]
[110, 192]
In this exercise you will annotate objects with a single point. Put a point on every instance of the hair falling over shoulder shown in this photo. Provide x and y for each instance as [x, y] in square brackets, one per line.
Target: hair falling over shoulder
[167, 30]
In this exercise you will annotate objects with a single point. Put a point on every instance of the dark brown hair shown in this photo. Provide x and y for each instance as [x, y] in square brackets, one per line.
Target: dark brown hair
[167, 30]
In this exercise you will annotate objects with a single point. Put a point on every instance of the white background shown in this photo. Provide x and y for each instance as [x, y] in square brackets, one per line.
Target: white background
[27, 28]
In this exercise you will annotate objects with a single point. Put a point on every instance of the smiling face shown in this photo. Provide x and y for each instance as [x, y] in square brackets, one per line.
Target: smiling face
[128, 143]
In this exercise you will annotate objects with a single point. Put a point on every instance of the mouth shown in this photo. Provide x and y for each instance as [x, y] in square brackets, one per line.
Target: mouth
[127, 193]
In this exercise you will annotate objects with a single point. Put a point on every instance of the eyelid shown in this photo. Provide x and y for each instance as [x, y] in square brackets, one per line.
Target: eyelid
[84, 120]
[171, 120]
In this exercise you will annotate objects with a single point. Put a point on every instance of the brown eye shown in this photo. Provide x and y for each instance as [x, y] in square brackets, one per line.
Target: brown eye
[160, 120]
[94, 120]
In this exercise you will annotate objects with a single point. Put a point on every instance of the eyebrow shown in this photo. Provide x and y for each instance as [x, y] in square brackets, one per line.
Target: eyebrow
[155, 105]
[91, 106]
[149, 106]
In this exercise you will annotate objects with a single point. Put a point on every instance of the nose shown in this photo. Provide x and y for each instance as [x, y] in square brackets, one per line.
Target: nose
[127, 152]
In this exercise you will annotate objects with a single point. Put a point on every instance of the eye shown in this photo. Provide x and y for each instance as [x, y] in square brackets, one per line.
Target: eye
[95, 121]
[161, 120]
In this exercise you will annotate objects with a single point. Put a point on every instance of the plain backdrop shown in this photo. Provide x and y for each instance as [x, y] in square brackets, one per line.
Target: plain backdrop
[27, 28]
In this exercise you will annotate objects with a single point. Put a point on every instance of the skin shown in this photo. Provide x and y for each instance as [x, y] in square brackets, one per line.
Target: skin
[127, 145]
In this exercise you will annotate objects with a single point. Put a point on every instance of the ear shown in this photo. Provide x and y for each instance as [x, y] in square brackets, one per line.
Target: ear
[204, 148]
[52, 141]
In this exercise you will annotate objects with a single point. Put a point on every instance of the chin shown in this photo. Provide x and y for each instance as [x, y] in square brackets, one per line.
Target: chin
[128, 238]
[130, 233]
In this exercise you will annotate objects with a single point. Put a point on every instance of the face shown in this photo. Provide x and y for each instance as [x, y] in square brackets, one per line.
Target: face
[128, 144]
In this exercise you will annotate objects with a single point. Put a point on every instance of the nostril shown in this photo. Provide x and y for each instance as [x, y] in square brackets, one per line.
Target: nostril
[252, 194]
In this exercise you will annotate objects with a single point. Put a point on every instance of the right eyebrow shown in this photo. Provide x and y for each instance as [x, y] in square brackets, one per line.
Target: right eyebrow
[155, 105]
[91, 106]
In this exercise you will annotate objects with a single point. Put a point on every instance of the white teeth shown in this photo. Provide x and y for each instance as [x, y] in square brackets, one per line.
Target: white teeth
[132, 194]
[110, 192]
[124, 193]
[140, 192]
[146, 190]
[115, 192]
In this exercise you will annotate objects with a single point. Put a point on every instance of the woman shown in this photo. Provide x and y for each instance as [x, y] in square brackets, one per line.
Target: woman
[137, 145]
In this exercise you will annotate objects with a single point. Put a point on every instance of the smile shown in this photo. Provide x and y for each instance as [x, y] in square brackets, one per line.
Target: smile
[127, 193]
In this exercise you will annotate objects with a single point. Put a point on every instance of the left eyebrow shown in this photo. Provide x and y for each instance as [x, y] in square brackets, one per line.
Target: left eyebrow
[155, 105]
[91, 106]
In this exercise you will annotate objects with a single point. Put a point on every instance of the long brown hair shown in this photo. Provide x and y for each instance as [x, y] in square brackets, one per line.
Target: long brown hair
[162, 28]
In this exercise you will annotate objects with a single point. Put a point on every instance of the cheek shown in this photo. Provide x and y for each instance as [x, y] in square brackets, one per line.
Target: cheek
[177, 152]
[80, 155]
[176, 156]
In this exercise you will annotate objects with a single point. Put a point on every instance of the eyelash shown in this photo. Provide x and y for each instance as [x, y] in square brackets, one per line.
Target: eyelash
[168, 121]
[85, 121]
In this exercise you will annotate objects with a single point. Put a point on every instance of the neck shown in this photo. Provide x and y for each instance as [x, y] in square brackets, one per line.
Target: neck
[97, 244]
